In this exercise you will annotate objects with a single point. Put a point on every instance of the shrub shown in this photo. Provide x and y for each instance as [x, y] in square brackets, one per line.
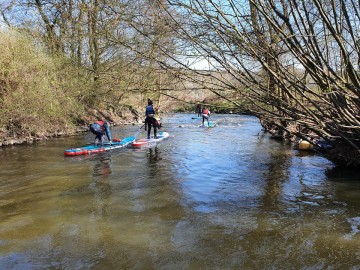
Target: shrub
[38, 93]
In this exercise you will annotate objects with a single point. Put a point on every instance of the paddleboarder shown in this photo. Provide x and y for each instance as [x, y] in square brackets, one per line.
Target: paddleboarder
[198, 110]
[205, 115]
[100, 128]
[150, 119]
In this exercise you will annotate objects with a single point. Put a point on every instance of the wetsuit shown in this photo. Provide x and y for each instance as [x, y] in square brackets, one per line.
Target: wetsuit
[198, 110]
[150, 120]
[205, 115]
[100, 128]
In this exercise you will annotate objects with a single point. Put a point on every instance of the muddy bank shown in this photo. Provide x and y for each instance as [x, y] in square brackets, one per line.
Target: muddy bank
[16, 134]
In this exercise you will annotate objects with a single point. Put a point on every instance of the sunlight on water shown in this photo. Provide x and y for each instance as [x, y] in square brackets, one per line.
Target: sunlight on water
[226, 197]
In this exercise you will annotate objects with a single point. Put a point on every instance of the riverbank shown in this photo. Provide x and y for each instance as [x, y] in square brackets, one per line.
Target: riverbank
[337, 151]
[15, 134]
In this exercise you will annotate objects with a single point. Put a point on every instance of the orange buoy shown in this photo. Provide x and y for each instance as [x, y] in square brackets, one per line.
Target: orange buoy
[305, 145]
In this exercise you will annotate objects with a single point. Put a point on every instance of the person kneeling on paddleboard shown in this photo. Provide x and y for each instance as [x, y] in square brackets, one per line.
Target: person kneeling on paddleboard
[150, 119]
[205, 115]
[100, 128]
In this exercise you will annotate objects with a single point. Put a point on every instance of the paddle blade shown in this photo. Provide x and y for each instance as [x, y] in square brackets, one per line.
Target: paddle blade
[138, 132]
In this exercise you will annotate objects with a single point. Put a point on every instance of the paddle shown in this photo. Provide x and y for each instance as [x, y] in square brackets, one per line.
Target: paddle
[138, 132]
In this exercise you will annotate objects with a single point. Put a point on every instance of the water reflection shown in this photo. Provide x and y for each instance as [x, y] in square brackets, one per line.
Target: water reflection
[101, 173]
[153, 156]
[100, 184]
[277, 173]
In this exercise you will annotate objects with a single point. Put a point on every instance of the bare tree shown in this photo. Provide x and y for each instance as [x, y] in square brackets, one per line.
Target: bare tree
[297, 62]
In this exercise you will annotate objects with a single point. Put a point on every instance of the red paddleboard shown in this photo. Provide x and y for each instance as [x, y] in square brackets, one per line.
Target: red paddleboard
[150, 142]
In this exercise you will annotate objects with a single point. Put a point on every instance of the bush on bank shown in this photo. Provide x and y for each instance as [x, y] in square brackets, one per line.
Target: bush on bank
[38, 93]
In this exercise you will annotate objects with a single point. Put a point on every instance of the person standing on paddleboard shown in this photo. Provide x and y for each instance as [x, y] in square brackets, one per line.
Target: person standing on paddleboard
[198, 110]
[150, 119]
[205, 115]
[100, 128]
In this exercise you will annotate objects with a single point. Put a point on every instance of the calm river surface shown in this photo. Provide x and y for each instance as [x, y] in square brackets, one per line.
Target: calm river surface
[221, 198]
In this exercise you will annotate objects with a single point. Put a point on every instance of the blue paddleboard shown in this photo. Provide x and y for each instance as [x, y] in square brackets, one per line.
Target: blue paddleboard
[90, 149]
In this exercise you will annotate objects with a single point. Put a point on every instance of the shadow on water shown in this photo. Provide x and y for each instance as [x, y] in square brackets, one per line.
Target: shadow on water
[343, 174]
[277, 173]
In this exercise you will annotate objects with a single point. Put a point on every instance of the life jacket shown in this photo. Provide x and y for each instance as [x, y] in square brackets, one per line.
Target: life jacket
[149, 110]
[206, 111]
[101, 124]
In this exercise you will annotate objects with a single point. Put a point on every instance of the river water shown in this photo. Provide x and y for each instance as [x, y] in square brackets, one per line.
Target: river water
[226, 197]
